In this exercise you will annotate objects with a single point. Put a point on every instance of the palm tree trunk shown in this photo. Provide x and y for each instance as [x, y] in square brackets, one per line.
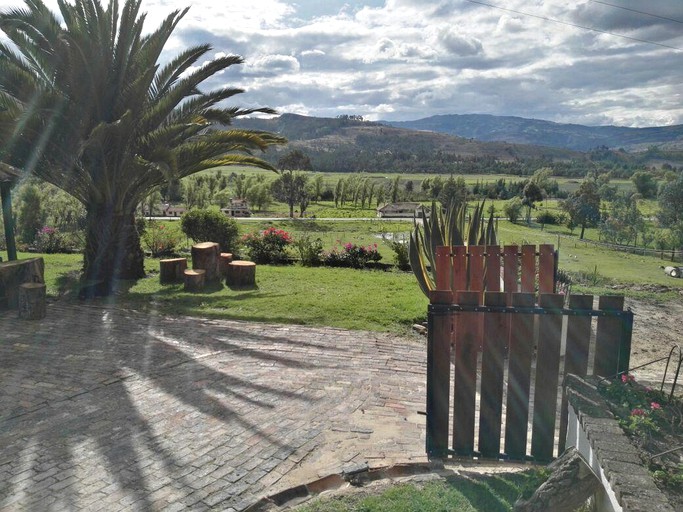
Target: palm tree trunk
[112, 248]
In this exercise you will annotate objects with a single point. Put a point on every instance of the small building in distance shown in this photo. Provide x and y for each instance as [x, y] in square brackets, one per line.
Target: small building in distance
[403, 210]
[168, 210]
[237, 208]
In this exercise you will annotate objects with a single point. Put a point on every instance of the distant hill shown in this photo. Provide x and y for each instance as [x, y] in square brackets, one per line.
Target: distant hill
[519, 130]
[349, 145]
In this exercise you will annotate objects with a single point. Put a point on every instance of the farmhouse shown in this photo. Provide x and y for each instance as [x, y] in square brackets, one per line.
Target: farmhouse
[402, 210]
[237, 208]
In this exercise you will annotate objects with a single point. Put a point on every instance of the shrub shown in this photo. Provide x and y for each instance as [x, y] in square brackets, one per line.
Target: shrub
[547, 217]
[513, 209]
[268, 246]
[400, 249]
[352, 255]
[50, 240]
[210, 225]
[160, 239]
[310, 251]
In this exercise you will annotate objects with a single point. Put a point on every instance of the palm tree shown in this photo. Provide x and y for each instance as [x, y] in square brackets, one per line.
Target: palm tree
[92, 112]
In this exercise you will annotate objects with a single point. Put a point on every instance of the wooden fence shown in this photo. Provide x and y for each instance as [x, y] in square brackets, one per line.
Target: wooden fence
[496, 319]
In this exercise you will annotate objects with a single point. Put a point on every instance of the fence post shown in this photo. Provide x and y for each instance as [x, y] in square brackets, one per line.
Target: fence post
[438, 373]
[547, 378]
[609, 337]
[576, 353]
[465, 375]
[519, 377]
[492, 368]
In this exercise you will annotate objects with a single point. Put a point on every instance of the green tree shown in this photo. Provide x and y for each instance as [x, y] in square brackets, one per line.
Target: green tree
[645, 184]
[454, 192]
[531, 194]
[623, 222]
[671, 208]
[31, 215]
[93, 112]
[513, 209]
[583, 206]
[290, 187]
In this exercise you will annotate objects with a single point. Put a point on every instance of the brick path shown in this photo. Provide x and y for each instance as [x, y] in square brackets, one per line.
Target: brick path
[106, 409]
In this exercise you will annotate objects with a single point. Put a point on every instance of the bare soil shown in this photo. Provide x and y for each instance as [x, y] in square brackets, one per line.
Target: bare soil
[657, 328]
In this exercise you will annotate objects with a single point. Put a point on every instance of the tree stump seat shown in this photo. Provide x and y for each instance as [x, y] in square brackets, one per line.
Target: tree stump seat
[32, 301]
[205, 257]
[172, 270]
[241, 274]
[224, 259]
[194, 279]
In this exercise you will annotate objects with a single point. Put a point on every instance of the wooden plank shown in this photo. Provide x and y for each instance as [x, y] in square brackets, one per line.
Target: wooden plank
[510, 269]
[476, 265]
[459, 274]
[465, 378]
[546, 268]
[520, 353]
[492, 278]
[576, 352]
[492, 367]
[528, 268]
[438, 383]
[609, 336]
[443, 268]
[547, 378]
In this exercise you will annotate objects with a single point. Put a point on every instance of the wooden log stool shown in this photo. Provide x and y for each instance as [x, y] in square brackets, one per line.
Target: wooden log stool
[205, 257]
[241, 274]
[194, 280]
[32, 301]
[172, 270]
[224, 259]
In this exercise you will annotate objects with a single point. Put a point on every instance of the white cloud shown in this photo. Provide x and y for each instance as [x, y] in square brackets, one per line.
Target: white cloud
[405, 59]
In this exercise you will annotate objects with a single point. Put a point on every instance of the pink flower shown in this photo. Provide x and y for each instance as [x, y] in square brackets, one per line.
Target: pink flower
[655, 406]
[627, 378]
[637, 412]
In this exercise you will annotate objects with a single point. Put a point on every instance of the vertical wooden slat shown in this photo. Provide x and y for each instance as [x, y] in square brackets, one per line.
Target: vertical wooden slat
[492, 366]
[576, 352]
[492, 268]
[476, 264]
[519, 377]
[465, 376]
[546, 268]
[510, 269]
[547, 375]
[608, 337]
[438, 378]
[443, 268]
[528, 268]
[459, 274]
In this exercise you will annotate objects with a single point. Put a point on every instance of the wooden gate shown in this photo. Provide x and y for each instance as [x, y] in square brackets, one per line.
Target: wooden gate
[496, 318]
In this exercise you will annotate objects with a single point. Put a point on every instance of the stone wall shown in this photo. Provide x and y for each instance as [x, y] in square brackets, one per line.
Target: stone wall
[626, 483]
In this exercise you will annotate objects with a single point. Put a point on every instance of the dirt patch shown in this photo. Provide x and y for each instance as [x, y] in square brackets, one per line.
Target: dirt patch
[657, 327]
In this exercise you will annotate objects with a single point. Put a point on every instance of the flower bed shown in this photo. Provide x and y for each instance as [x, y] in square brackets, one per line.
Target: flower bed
[594, 431]
[654, 424]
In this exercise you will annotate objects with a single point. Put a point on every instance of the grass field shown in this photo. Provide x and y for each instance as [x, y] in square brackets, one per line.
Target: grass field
[478, 493]
[360, 299]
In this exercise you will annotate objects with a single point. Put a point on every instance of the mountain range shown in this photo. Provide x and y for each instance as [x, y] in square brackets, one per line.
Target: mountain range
[490, 144]
[519, 130]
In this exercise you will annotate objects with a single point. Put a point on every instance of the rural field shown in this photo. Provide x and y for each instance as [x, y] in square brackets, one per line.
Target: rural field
[387, 299]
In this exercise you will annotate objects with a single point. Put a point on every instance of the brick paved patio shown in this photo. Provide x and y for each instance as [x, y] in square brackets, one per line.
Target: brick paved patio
[105, 409]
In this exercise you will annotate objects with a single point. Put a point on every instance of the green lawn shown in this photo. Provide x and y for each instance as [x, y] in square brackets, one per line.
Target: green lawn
[360, 299]
[478, 493]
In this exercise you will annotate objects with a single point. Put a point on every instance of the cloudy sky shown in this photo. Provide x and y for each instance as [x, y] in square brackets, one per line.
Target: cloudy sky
[408, 59]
